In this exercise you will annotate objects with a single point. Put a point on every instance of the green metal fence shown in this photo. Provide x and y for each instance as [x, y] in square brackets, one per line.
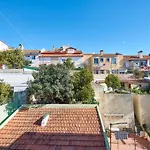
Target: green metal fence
[11, 107]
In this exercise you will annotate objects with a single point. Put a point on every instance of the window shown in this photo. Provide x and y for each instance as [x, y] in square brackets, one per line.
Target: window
[107, 59]
[95, 60]
[114, 71]
[33, 57]
[113, 60]
[108, 71]
[96, 72]
[54, 58]
[101, 71]
[148, 62]
[63, 60]
[70, 50]
[101, 59]
[143, 63]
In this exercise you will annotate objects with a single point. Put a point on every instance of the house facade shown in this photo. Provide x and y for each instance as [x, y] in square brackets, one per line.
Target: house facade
[33, 56]
[60, 55]
[102, 63]
[140, 62]
[105, 63]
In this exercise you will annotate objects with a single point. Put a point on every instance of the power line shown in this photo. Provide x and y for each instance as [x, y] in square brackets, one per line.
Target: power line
[22, 37]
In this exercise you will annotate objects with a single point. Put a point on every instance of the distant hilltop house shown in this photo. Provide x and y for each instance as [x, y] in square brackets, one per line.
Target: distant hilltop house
[3, 46]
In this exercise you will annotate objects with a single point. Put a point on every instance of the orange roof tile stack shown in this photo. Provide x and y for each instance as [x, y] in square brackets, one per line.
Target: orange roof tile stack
[66, 129]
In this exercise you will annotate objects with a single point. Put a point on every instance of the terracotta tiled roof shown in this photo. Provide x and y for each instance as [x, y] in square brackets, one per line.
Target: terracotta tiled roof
[61, 54]
[66, 129]
[31, 52]
[104, 55]
[134, 57]
[136, 81]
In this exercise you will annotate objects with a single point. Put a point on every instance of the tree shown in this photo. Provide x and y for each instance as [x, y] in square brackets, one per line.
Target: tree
[113, 81]
[52, 84]
[69, 63]
[27, 62]
[12, 59]
[83, 90]
[5, 91]
[138, 74]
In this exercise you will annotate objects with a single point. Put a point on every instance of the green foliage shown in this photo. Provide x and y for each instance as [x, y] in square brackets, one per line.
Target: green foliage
[27, 62]
[138, 74]
[52, 84]
[83, 90]
[146, 129]
[90, 101]
[5, 92]
[12, 59]
[113, 81]
[140, 91]
[55, 84]
[69, 63]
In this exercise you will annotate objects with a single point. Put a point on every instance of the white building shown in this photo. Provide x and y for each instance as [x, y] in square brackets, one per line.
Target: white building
[60, 55]
[3, 46]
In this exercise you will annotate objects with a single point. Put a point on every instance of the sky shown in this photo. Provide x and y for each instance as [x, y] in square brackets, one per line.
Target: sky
[89, 25]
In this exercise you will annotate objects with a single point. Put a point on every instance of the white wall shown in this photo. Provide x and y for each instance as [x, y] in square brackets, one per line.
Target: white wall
[3, 46]
[48, 60]
[17, 80]
[3, 112]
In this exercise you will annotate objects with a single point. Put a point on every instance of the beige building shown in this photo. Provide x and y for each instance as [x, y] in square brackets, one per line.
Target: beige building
[141, 108]
[105, 63]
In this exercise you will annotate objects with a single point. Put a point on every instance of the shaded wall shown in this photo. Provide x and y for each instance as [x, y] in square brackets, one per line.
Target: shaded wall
[142, 108]
[117, 108]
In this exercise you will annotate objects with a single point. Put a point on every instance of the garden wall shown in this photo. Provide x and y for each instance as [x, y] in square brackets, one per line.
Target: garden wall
[142, 108]
[117, 108]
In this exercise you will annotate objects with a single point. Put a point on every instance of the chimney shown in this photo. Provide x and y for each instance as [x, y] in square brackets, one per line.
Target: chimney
[140, 54]
[44, 120]
[21, 47]
[101, 52]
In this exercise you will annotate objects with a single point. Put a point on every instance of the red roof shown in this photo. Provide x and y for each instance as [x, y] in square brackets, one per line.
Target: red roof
[60, 53]
[66, 129]
[134, 57]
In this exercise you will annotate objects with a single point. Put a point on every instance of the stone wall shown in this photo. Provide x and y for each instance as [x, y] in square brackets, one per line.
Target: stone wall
[117, 108]
[142, 108]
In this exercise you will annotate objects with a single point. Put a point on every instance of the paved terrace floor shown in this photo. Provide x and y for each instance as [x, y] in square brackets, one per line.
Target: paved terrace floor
[129, 144]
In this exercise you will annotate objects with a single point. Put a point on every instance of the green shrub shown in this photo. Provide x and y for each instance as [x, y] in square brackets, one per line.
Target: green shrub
[148, 131]
[91, 101]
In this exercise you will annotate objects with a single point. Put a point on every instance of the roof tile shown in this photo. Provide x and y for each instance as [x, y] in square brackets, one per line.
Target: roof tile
[73, 129]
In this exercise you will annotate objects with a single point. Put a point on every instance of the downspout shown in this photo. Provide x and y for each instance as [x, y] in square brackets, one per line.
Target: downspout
[103, 129]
